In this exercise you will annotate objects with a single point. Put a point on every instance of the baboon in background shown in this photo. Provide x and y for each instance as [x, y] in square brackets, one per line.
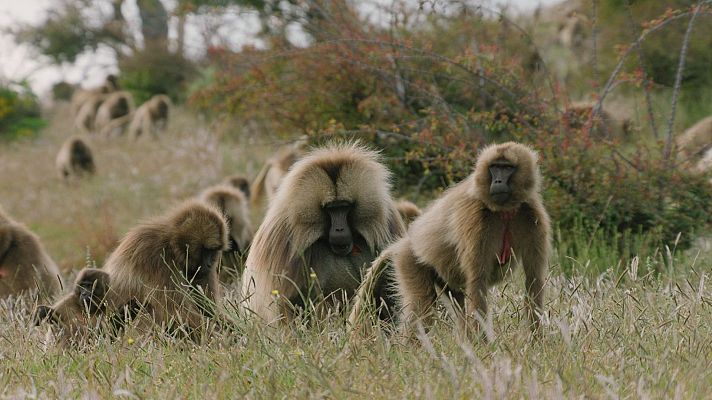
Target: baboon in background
[332, 215]
[75, 159]
[271, 175]
[150, 117]
[705, 164]
[85, 120]
[232, 203]
[24, 263]
[240, 183]
[408, 211]
[572, 31]
[80, 96]
[165, 266]
[695, 141]
[605, 125]
[471, 238]
[116, 105]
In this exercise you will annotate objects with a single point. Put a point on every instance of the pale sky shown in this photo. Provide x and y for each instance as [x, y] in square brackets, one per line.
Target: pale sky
[234, 29]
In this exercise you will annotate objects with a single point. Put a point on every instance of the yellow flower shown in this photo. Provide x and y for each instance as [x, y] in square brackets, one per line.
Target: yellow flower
[312, 275]
[130, 341]
[275, 292]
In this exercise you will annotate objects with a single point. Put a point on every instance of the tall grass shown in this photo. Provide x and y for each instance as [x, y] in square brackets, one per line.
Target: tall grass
[615, 325]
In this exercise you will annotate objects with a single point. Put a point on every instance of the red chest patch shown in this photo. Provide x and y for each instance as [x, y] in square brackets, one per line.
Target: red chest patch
[505, 253]
[355, 250]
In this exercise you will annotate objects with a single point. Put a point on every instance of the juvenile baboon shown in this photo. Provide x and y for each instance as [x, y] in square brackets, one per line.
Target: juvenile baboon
[240, 183]
[695, 141]
[150, 117]
[472, 237]
[604, 125]
[24, 263]
[408, 211]
[333, 213]
[116, 105]
[274, 170]
[165, 266]
[75, 159]
[232, 203]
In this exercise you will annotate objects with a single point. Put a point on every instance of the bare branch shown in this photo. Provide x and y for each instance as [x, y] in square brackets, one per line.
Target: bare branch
[678, 81]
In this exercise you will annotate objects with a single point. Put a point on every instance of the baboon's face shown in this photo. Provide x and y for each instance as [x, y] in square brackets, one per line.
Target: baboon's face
[339, 232]
[501, 172]
[201, 250]
[80, 310]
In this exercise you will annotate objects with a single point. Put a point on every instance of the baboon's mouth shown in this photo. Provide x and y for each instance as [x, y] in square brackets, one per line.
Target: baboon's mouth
[342, 249]
[501, 197]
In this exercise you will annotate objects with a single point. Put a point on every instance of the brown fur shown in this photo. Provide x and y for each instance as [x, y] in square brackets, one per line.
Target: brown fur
[605, 125]
[86, 115]
[116, 105]
[150, 117]
[75, 159]
[232, 203]
[695, 141]
[157, 267]
[270, 177]
[289, 243]
[408, 211]
[80, 96]
[240, 183]
[457, 240]
[572, 31]
[24, 262]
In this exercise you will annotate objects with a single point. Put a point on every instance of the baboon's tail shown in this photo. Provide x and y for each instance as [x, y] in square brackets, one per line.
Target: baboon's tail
[116, 123]
[370, 293]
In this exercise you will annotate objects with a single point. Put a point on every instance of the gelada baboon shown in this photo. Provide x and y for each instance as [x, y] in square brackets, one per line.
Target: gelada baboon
[75, 159]
[705, 163]
[86, 116]
[470, 238]
[24, 263]
[165, 266]
[408, 211]
[117, 106]
[80, 96]
[695, 141]
[333, 213]
[232, 203]
[150, 117]
[274, 170]
[604, 125]
[240, 183]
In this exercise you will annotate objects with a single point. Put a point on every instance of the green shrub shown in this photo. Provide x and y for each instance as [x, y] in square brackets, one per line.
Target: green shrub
[147, 73]
[19, 112]
[430, 101]
[62, 90]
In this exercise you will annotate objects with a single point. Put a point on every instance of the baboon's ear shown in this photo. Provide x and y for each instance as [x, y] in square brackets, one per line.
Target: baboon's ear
[91, 287]
[43, 313]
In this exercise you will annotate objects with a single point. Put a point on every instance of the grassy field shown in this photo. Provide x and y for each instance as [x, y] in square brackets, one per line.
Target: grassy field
[621, 333]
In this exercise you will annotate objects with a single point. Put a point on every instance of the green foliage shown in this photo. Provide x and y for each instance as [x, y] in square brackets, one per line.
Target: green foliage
[661, 51]
[19, 112]
[63, 36]
[430, 97]
[147, 73]
[62, 91]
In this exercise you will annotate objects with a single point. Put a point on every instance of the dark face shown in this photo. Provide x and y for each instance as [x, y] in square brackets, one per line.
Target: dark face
[501, 171]
[339, 232]
[202, 260]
